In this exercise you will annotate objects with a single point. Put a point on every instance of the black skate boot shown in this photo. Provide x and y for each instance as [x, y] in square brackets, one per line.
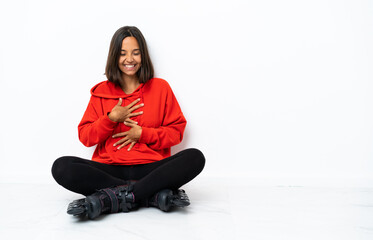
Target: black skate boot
[108, 200]
[166, 199]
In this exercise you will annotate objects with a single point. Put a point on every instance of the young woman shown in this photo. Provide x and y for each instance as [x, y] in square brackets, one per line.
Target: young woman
[134, 119]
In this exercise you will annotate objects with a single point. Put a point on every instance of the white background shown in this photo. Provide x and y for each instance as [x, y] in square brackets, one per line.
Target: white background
[271, 89]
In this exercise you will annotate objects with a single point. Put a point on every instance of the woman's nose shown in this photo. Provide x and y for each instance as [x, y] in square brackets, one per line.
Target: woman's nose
[129, 59]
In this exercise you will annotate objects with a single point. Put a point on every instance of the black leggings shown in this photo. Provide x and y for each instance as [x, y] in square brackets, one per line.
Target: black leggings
[85, 176]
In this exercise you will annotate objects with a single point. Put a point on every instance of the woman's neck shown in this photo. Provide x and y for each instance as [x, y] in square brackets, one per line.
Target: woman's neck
[129, 83]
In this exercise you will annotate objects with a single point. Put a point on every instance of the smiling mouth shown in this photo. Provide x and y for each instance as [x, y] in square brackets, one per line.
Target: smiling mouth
[129, 67]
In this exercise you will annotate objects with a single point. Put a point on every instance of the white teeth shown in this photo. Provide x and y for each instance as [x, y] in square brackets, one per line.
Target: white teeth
[129, 66]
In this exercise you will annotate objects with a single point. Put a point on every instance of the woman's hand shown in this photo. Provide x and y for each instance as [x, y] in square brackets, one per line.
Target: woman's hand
[122, 114]
[130, 137]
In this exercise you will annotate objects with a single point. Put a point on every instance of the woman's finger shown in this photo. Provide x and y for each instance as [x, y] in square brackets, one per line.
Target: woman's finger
[131, 125]
[120, 141]
[130, 121]
[133, 103]
[136, 107]
[135, 114]
[131, 146]
[119, 102]
[124, 144]
[122, 134]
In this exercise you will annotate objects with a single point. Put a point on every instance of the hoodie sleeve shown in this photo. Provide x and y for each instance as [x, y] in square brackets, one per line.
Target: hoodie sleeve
[171, 131]
[95, 126]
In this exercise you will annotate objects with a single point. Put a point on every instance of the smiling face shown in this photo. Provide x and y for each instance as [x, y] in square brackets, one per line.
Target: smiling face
[130, 57]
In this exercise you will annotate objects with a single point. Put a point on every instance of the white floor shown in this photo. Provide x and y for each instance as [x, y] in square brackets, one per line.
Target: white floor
[220, 209]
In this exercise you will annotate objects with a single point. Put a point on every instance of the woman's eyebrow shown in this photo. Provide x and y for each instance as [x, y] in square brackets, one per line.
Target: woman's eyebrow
[132, 50]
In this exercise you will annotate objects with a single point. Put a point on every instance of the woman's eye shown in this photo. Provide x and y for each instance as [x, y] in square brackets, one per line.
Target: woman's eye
[136, 53]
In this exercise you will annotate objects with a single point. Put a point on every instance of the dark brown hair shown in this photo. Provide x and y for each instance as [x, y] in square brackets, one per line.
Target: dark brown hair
[112, 71]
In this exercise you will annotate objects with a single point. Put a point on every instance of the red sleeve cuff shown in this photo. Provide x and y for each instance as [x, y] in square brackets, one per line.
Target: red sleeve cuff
[146, 135]
[107, 123]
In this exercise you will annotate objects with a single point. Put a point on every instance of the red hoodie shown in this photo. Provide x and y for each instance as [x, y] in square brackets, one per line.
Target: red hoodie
[162, 123]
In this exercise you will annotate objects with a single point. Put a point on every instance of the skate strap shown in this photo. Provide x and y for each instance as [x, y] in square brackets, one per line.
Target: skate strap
[113, 200]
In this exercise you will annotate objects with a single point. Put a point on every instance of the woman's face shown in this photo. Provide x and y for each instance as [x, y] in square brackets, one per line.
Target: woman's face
[130, 56]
